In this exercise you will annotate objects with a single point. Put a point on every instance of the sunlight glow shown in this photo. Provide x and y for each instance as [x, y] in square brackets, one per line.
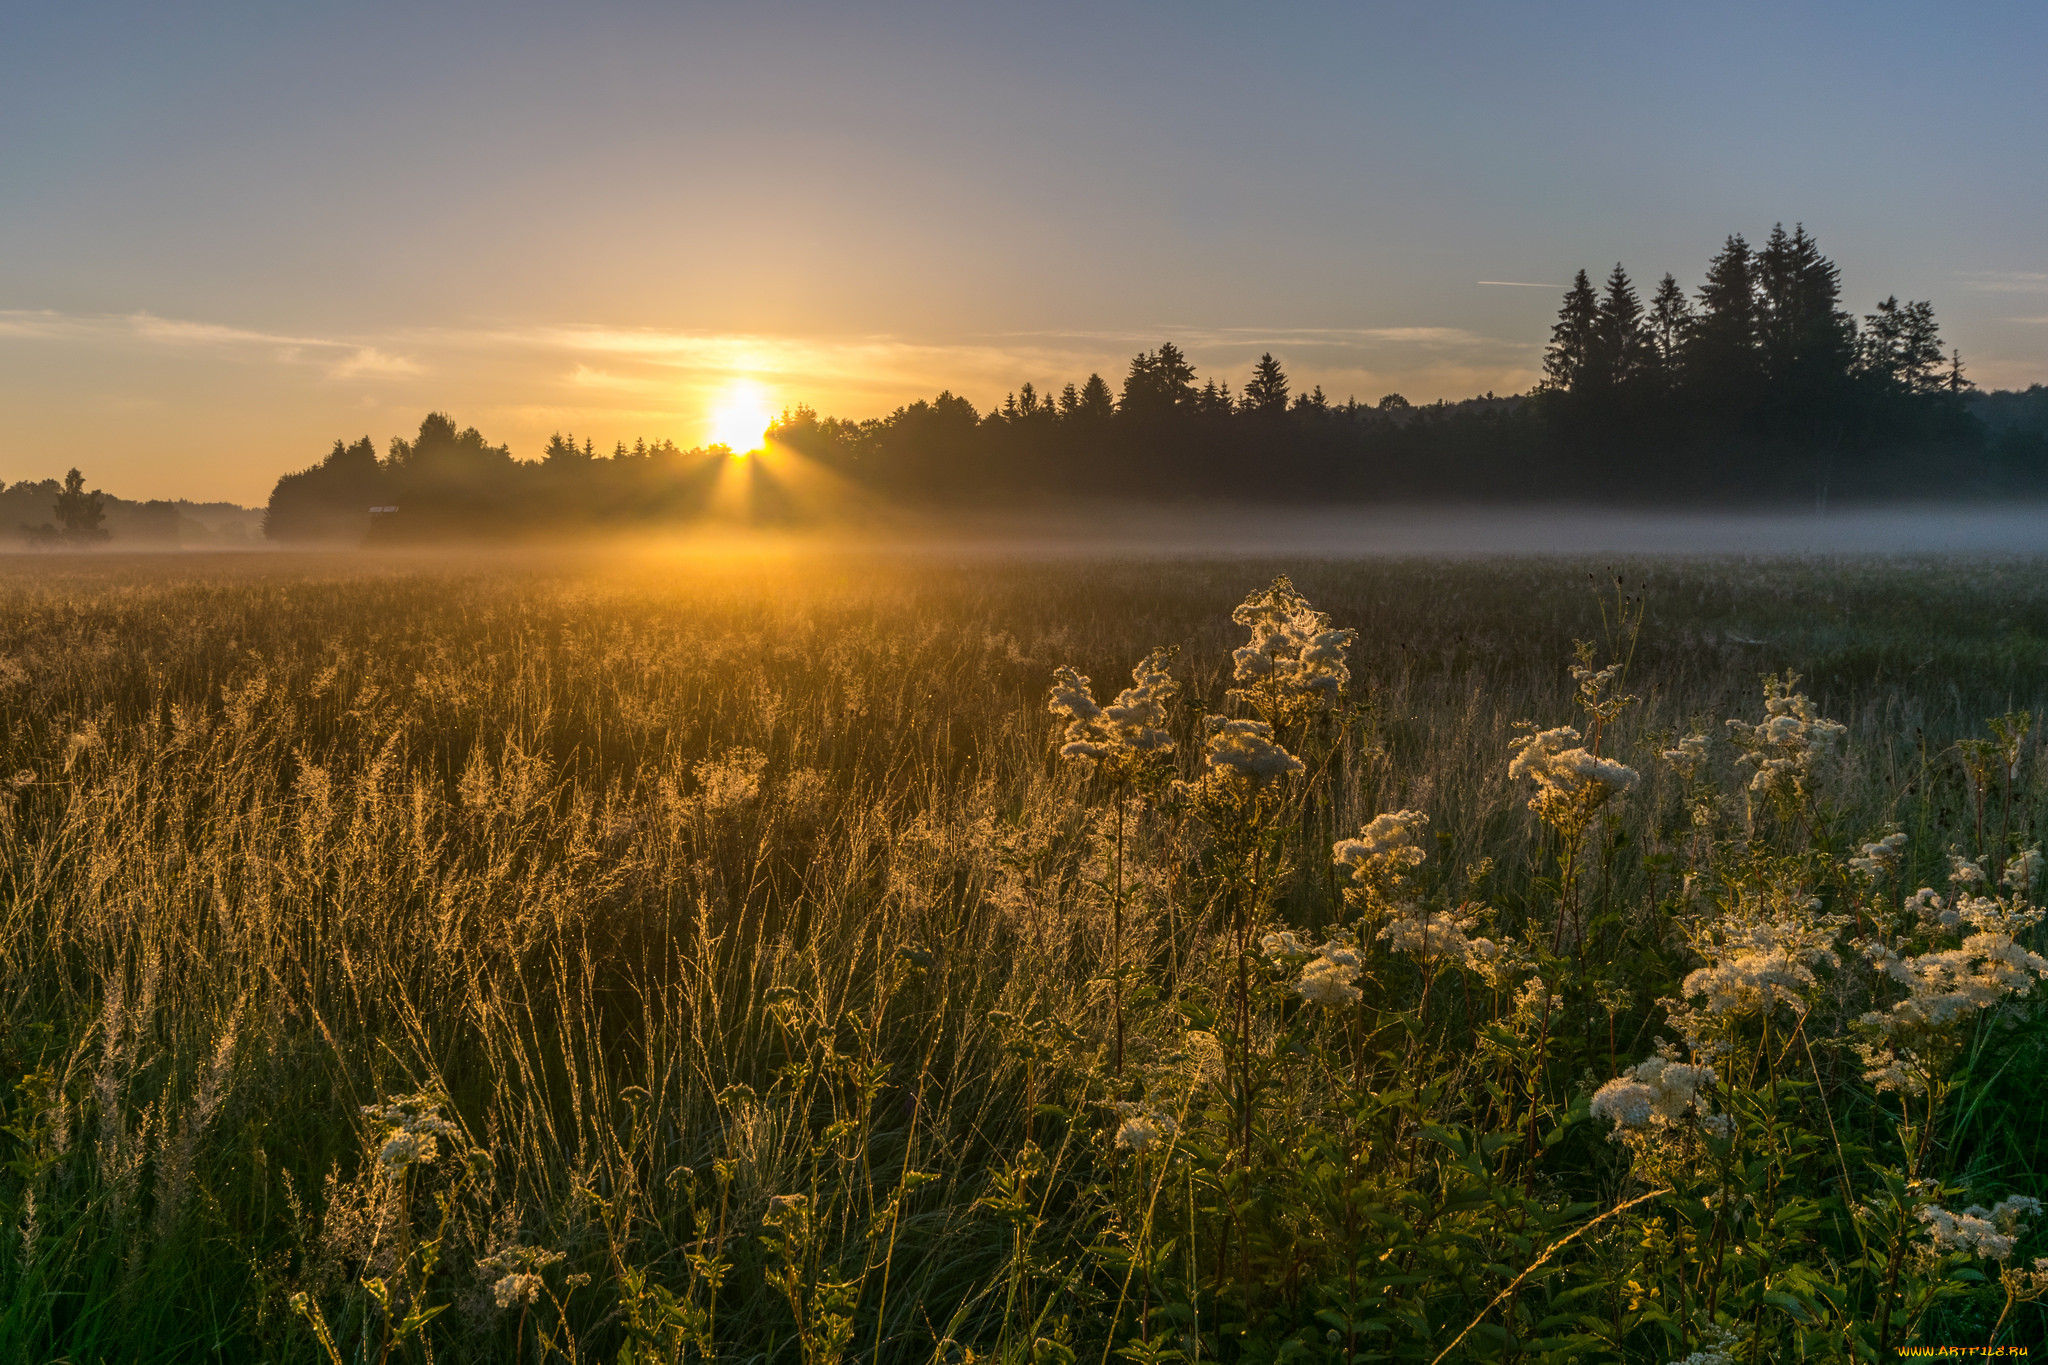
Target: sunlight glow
[741, 417]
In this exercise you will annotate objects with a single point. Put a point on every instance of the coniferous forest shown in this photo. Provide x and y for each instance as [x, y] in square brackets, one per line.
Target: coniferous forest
[1758, 386]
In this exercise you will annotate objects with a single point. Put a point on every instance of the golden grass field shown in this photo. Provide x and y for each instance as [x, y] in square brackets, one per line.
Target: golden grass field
[653, 957]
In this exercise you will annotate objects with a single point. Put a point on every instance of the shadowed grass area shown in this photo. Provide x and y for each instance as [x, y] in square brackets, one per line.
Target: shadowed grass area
[758, 962]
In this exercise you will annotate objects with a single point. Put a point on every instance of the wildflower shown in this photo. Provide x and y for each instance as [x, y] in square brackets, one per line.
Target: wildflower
[1141, 1132]
[1753, 983]
[1246, 748]
[1688, 756]
[1438, 936]
[1131, 726]
[1978, 1231]
[1941, 986]
[1783, 749]
[1718, 1349]
[1327, 981]
[515, 1273]
[1656, 1092]
[1933, 911]
[1284, 943]
[413, 1127]
[2021, 871]
[1571, 782]
[1294, 662]
[1384, 849]
[1341, 953]
[1879, 859]
[1965, 871]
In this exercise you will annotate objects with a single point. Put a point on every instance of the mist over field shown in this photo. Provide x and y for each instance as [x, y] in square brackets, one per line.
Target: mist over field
[1439, 531]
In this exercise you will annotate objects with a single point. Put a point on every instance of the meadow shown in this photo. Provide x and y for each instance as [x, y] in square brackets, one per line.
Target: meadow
[656, 958]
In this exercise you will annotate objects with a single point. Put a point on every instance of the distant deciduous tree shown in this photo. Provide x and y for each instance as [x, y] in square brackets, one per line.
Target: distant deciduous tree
[80, 515]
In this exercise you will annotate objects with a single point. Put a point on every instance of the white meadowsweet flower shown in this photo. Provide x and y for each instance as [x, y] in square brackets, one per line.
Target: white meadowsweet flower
[1386, 847]
[413, 1127]
[2021, 871]
[1990, 1233]
[1132, 726]
[1656, 1092]
[1783, 748]
[1879, 859]
[1142, 1132]
[515, 1273]
[1571, 782]
[1326, 981]
[1294, 661]
[1247, 748]
[1689, 755]
[1284, 943]
[520, 1289]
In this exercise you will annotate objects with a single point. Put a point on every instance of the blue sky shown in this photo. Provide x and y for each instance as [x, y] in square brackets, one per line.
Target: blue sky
[234, 233]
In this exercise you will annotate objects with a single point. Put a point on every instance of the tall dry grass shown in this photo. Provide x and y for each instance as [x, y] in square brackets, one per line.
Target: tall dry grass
[742, 923]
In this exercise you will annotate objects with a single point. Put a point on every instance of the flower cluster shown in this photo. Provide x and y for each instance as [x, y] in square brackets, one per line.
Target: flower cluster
[1131, 727]
[1294, 662]
[1572, 783]
[1977, 1231]
[1689, 755]
[1654, 1093]
[1880, 859]
[1761, 953]
[1141, 1131]
[1782, 749]
[1985, 968]
[412, 1128]
[514, 1273]
[1246, 748]
[1326, 980]
[1444, 937]
[1385, 849]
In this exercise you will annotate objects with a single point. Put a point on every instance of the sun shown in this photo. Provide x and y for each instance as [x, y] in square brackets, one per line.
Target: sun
[741, 417]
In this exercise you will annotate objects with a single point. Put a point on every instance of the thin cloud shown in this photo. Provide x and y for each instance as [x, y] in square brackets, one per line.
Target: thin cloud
[2007, 281]
[339, 358]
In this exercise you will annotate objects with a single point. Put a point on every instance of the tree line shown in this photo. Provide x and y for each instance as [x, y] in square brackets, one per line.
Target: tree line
[1757, 386]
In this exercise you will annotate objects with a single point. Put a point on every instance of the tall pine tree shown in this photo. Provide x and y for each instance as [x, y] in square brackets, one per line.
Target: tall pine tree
[1266, 391]
[1568, 357]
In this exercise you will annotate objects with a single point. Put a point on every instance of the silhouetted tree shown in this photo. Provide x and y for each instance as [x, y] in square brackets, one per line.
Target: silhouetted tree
[1568, 359]
[81, 516]
[1670, 322]
[1900, 345]
[1806, 341]
[1266, 391]
[1158, 381]
[1096, 403]
[1621, 350]
[1719, 357]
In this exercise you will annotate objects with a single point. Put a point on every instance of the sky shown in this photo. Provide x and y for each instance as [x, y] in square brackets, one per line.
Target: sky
[230, 234]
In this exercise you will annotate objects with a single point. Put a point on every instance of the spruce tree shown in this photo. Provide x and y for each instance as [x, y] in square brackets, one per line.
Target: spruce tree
[1621, 349]
[1096, 403]
[1266, 391]
[1566, 359]
[1670, 321]
[1806, 340]
[1718, 359]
